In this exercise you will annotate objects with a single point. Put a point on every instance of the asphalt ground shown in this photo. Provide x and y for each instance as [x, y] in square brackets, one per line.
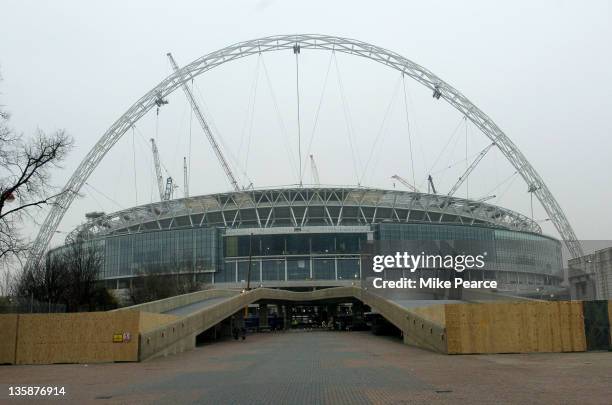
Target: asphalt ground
[326, 368]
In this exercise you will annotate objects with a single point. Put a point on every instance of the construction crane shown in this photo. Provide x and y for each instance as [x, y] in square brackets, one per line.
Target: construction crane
[158, 171]
[165, 191]
[169, 191]
[487, 198]
[430, 185]
[469, 170]
[206, 128]
[315, 171]
[185, 178]
[405, 183]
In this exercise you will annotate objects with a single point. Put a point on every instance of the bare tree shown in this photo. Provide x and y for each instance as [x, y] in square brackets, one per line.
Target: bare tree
[6, 281]
[151, 286]
[69, 276]
[82, 261]
[25, 166]
[45, 282]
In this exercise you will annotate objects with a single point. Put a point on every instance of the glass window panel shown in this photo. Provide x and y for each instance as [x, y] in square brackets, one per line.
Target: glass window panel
[243, 271]
[298, 244]
[298, 268]
[228, 275]
[323, 243]
[273, 245]
[273, 270]
[348, 269]
[324, 269]
[348, 243]
[231, 246]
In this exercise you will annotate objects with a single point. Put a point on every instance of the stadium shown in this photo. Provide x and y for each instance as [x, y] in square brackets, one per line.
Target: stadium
[310, 237]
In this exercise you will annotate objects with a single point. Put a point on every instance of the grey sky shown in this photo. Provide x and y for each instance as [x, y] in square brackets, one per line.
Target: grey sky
[541, 70]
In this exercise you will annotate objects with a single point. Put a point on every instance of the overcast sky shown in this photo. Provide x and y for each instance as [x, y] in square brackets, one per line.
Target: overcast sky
[541, 70]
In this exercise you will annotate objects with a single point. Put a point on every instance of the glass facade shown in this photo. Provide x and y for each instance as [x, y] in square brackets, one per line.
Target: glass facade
[293, 244]
[518, 257]
[292, 257]
[173, 251]
[508, 251]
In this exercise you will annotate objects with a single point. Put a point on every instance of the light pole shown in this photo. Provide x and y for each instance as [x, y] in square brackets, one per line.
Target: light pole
[250, 261]
[248, 287]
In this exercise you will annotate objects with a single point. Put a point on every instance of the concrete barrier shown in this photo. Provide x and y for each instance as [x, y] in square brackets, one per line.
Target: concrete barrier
[168, 304]
[417, 329]
[150, 321]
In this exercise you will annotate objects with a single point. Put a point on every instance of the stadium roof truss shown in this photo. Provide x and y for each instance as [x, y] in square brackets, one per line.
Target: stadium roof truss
[298, 207]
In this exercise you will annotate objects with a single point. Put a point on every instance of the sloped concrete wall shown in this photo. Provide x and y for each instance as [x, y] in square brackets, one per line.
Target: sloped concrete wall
[168, 304]
[150, 321]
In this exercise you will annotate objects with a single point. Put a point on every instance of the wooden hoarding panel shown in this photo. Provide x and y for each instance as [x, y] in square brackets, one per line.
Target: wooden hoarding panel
[8, 337]
[515, 327]
[77, 338]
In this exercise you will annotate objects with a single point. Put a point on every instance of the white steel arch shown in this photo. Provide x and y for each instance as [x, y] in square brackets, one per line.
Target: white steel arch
[440, 89]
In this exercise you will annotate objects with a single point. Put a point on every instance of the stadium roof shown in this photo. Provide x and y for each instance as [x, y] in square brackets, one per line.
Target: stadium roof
[304, 206]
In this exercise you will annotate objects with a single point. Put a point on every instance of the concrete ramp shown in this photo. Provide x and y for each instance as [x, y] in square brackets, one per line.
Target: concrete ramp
[167, 305]
[442, 326]
[206, 309]
[197, 306]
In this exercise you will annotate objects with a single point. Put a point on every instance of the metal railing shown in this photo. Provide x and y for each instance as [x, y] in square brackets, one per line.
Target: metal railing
[28, 305]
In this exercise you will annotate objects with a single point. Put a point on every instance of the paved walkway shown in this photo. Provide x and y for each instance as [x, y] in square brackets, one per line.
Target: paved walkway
[329, 368]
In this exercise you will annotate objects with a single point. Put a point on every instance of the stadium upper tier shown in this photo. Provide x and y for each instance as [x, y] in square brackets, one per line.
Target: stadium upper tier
[304, 206]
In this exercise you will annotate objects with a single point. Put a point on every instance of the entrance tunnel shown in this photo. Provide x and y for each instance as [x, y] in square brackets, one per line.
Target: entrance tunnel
[276, 315]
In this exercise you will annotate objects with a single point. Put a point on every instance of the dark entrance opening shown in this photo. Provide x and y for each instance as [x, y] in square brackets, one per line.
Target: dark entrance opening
[219, 332]
[274, 315]
[380, 326]
[597, 325]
